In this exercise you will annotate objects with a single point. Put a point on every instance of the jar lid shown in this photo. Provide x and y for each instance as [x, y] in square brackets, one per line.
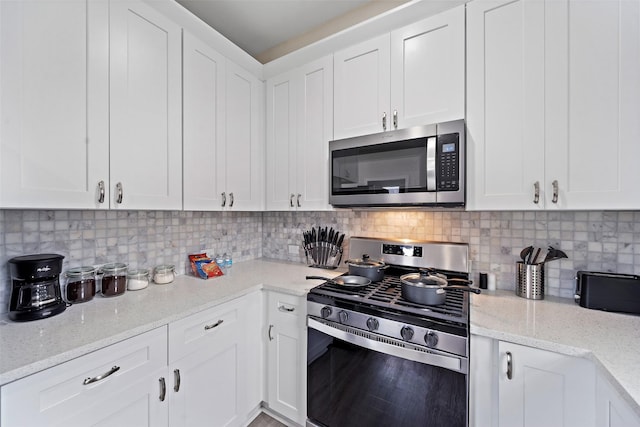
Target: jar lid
[116, 267]
[165, 268]
[138, 274]
[81, 271]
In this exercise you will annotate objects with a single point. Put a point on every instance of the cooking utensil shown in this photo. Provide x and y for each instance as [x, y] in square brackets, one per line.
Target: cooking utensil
[430, 289]
[346, 281]
[367, 267]
[554, 254]
[525, 253]
[535, 257]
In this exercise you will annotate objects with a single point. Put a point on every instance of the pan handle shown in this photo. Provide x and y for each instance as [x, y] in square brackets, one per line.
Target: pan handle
[464, 288]
[318, 277]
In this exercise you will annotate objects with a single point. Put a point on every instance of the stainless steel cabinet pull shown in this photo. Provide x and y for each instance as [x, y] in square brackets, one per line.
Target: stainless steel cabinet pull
[395, 119]
[231, 196]
[298, 200]
[270, 329]
[286, 309]
[384, 120]
[119, 192]
[101, 377]
[509, 365]
[291, 200]
[224, 199]
[101, 192]
[215, 325]
[163, 389]
[536, 192]
[554, 184]
[176, 380]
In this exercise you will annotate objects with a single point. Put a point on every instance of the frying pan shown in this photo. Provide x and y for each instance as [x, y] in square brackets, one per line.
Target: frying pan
[346, 281]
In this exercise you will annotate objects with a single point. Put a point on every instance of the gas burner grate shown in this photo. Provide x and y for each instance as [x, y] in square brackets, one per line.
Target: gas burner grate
[388, 294]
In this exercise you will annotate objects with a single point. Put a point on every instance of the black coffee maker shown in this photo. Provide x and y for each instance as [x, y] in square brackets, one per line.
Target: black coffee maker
[35, 287]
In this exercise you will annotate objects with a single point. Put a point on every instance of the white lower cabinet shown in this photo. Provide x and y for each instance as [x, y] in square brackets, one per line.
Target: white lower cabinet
[513, 385]
[611, 409]
[287, 355]
[119, 385]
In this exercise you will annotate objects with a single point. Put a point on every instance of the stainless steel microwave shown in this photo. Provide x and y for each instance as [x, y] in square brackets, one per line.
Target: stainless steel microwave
[418, 166]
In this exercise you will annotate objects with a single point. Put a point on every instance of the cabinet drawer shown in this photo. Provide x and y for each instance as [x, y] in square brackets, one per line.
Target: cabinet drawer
[198, 330]
[59, 392]
[286, 307]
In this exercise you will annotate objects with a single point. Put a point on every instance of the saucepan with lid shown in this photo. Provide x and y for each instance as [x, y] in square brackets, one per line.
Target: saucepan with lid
[367, 267]
[429, 288]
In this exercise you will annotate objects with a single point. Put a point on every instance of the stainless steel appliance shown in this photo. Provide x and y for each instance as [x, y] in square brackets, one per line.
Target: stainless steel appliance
[419, 166]
[35, 287]
[376, 359]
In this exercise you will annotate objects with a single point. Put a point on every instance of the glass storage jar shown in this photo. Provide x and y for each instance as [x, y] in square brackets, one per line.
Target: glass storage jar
[114, 279]
[164, 274]
[79, 285]
[137, 279]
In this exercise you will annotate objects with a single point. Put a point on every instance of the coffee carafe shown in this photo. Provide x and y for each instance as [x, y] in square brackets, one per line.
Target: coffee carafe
[35, 287]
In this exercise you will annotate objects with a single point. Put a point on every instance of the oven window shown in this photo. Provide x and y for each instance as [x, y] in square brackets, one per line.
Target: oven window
[348, 385]
[395, 167]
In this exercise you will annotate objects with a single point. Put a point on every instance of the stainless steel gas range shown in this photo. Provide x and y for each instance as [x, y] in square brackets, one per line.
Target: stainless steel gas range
[377, 359]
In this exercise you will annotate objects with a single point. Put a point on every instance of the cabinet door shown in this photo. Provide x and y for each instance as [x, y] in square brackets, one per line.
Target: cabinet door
[54, 109]
[128, 393]
[611, 408]
[203, 121]
[593, 104]
[146, 140]
[427, 70]
[287, 354]
[244, 157]
[505, 104]
[315, 130]
[545, 388]
[361, 89]
[281, 141]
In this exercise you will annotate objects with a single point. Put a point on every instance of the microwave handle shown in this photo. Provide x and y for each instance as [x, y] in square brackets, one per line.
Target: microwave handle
[431, 163]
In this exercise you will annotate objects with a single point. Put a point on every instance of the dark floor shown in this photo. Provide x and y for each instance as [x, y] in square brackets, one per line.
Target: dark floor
[264, 420]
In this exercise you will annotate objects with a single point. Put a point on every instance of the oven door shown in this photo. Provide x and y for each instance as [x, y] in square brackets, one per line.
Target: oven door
[357, 378]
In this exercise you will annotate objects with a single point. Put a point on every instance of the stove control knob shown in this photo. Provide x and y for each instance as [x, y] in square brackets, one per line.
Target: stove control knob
[372, 323]
[431, 338]
[325, 312]
[343, 316]
[406, 333]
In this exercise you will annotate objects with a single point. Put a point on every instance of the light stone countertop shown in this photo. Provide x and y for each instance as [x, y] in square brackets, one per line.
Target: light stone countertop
[29, 347]
[610, 340]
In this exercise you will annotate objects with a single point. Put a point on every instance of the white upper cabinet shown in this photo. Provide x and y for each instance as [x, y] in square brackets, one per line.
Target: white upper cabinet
[544, 119]
[54, 108]
[203, 122]
[412, 76]
[145, 108]
[299, 127]
[243, 153]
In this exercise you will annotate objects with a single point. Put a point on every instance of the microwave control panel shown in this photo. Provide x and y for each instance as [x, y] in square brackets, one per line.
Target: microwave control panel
[448, 163]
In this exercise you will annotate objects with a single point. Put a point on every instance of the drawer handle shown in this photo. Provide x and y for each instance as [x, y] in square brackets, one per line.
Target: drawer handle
[101, 192]
[270, 336]
[163, 389]
[231, 196]
[291, 200]
[384, 120]
[536, 192]
[224, 199]
[176, 379]
[119, 192]
[554, 184]
[215, 325]
[286, 309]
[101, 377]
[509, 365]
[298, 200]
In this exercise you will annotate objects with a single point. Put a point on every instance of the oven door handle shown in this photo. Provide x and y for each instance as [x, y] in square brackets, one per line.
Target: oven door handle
[448, 362]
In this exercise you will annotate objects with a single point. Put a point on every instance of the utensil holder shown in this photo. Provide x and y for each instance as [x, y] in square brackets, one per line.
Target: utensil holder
[530, 280]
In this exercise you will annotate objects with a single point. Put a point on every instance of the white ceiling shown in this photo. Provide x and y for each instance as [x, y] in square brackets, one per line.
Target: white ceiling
[258, 26]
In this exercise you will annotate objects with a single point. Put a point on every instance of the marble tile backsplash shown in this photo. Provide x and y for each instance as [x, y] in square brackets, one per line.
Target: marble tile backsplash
[141, 239]
[595, 241]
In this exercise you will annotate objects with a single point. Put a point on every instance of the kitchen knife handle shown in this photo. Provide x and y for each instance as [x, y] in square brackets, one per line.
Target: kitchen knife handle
[384, 120]
[291, 200]
[101, 192]
[298, 200]
[224, 199]
[554, 184]
[119, 192]
[509, 365]
[536, 192]
[176, 380]
[163, 389]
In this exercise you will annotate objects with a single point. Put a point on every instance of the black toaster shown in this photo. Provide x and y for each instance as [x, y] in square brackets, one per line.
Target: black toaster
[608, 291]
